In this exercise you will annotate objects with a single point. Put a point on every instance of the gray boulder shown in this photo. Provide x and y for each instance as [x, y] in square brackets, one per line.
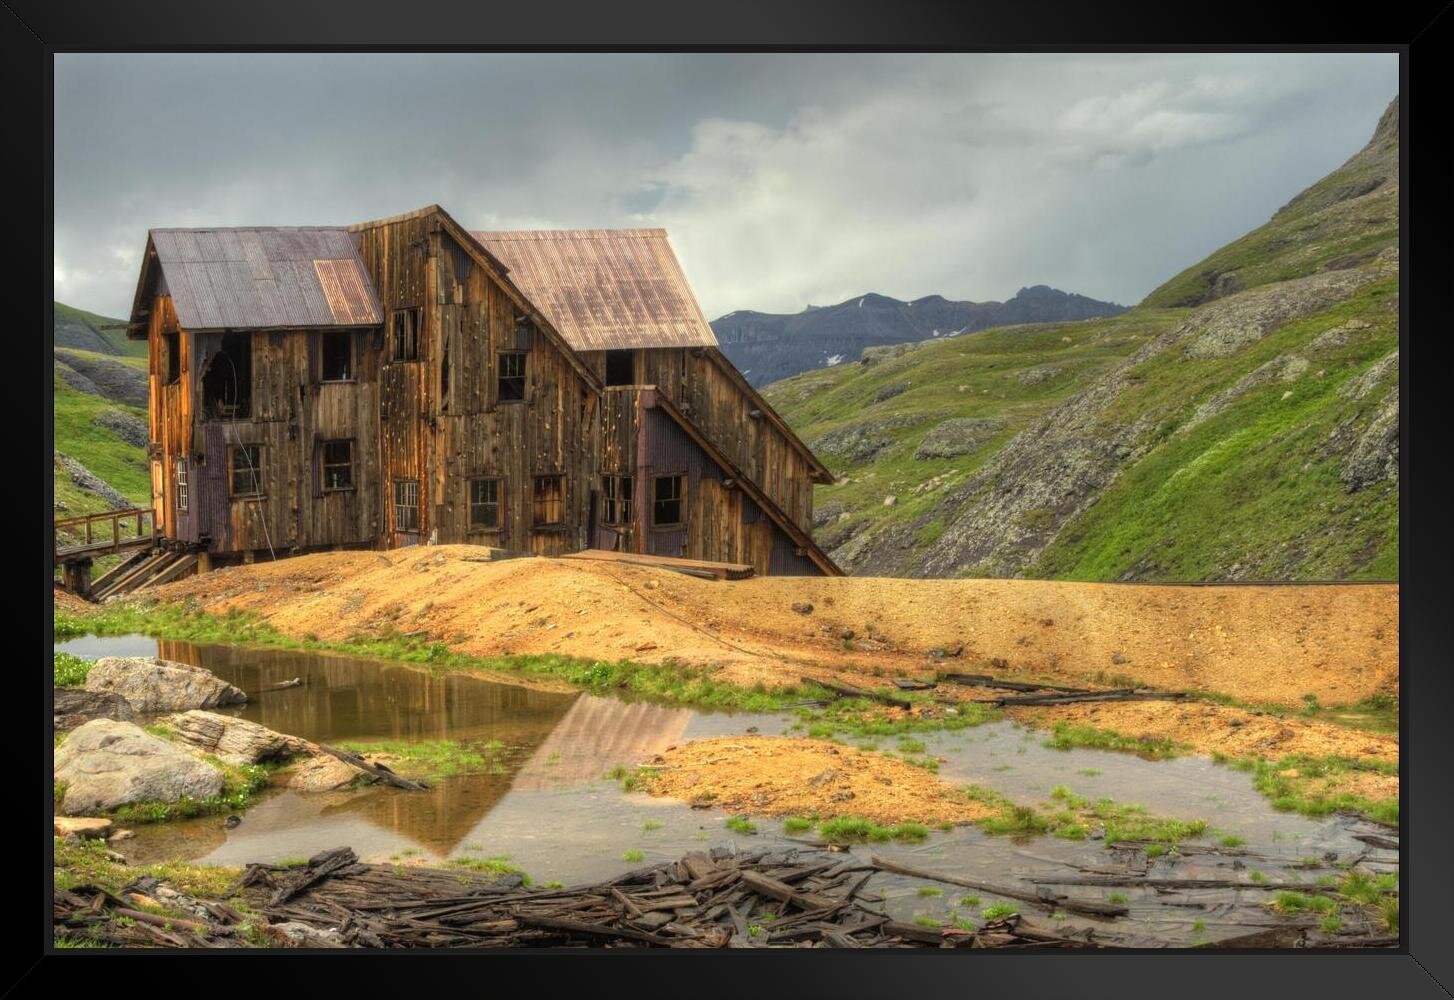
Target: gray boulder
[322, 773]
[958, 436]
[235, 740]
[107, 764]
[75, 706]
[156, 685]
[890, 390]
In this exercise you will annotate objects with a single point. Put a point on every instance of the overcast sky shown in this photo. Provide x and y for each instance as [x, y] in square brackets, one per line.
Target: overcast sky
[783, 179]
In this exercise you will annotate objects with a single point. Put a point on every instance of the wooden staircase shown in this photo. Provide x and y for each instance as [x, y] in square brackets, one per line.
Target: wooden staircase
[143, 570]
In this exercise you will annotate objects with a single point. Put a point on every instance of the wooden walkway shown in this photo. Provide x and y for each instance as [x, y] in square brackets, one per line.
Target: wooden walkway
[103, 534]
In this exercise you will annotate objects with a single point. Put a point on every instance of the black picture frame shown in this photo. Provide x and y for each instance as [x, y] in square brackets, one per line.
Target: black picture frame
[1423, 966]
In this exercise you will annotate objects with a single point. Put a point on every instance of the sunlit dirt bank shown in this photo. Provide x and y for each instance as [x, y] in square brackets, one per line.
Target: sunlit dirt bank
[1273, 644]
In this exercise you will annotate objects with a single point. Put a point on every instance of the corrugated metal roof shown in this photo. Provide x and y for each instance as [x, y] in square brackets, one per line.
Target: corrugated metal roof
[605, 289]
[265, 278]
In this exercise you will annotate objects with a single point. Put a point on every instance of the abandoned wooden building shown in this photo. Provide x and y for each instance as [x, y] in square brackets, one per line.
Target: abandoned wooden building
[406, 381]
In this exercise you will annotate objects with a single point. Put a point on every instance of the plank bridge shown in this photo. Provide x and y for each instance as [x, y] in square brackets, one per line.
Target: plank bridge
[102, 534]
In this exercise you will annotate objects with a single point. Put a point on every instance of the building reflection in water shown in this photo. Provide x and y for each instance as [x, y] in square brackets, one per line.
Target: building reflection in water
[552, 740]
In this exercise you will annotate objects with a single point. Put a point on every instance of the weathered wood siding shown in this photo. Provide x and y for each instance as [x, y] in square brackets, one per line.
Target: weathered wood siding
[721, 523]
[445, 439]
[292, 412]
[694, 381]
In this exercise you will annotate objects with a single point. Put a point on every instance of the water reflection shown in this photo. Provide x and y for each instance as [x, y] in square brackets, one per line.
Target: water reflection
[546, 804]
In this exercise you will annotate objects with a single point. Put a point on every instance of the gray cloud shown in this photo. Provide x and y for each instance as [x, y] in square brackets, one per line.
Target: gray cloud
[783, 179]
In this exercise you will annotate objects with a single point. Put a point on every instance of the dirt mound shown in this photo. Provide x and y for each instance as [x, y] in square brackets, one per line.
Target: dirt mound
[1264, 644]
[787, 776]
[1209, 728]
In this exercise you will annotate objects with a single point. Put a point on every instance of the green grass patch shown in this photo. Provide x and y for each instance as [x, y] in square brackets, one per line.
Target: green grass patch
[86, 863]
[1074, 736]
[998, 911]
[741, 824]
[71, 671]
[1288, 901]
[1289, 784]
[633, 856]
[499, 866]
[432, 758]
[856, 829]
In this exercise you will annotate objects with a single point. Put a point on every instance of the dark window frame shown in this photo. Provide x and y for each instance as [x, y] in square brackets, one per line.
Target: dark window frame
[405, 333]
[498, 503]
[617, 500]
[350, 374]
[172, 343]
[397, 505]
[254, 471]
[680, 499]
[537, 500]
[324, 465]
[520, 379]
[183, 492]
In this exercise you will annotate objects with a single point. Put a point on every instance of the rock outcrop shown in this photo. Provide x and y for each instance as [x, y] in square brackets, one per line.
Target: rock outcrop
[76, 706]
[321, 773]
[152, 684]
[235, 740]
[107, 764]
[958, 436]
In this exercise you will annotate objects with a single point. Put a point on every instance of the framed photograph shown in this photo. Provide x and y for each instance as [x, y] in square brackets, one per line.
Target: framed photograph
[960, 489]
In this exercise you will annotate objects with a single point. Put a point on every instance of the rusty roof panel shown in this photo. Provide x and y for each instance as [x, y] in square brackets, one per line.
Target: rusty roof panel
[605, 289]
[268, 278]
[346, 292]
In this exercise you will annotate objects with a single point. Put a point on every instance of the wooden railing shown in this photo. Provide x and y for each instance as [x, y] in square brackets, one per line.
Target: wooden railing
[98, 534]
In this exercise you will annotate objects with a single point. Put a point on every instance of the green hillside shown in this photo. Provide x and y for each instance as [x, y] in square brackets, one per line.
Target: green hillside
[1240, 423]
[88, 331]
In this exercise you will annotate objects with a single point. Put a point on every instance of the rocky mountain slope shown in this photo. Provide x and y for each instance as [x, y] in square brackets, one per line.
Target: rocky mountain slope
[86, 331]
[772, 346]
[1240, 423]
[100, 416]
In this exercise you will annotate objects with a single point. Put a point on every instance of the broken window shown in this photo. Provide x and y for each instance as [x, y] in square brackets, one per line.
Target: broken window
[337, 356]
[666, 509]
[485, 503]
[547, 507]
[182, 484]
[338, 465]
[173, 344]
[620, 367]
[406, 505]
[227, 382]
[247, 477]
[511, 376]
[405, 327]
[616, 492]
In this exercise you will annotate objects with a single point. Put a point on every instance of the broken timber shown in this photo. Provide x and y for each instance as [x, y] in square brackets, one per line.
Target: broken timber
[377, 770]
[847, 691]
[1049, 901]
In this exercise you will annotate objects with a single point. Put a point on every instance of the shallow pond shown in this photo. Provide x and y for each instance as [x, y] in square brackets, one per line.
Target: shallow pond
[546, 804]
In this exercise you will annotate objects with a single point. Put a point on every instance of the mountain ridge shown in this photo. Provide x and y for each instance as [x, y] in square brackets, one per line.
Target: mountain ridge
[767, 347]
